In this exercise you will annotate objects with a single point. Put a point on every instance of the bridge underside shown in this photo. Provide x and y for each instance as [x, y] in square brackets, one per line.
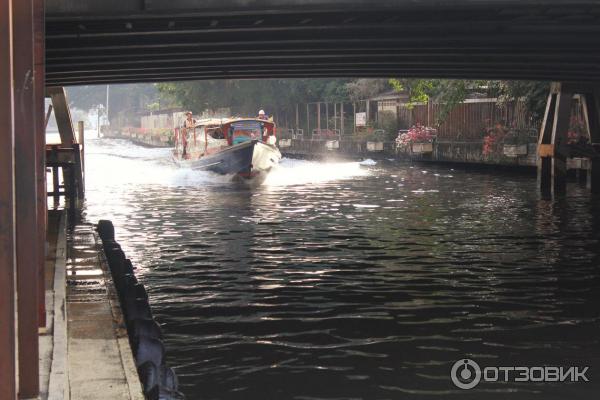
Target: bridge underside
[119, 41]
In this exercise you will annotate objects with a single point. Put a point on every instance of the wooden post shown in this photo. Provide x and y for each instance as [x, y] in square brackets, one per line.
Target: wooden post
[81, 134]
[354, 118]
[307, 121]
[55, 186]
[397, 114]
[327, 116]
[26, 193]
[319, 117]
[8, 383]
[560, 139]
[62, 115]
[591, 113]
[335, 116]
[545, 148]
[297, 118]
[342, 118]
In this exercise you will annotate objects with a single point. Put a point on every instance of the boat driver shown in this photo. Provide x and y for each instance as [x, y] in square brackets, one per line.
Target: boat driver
[262, 115]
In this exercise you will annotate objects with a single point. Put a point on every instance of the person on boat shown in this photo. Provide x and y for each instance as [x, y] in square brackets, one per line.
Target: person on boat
[262, 115]
[188, 125]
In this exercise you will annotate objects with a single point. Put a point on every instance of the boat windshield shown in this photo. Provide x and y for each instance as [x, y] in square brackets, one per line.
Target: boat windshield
[243, 131]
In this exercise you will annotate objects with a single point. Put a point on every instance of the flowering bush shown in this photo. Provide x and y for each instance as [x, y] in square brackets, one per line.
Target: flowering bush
[494, 139]
[577, 130]
[416, 134]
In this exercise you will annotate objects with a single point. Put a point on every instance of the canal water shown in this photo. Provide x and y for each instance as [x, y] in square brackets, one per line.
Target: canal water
[342, 281]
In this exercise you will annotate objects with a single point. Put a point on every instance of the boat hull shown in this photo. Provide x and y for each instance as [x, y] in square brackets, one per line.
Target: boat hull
[246, 160]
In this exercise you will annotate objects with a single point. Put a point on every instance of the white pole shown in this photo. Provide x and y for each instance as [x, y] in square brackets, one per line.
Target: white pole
[107, 98]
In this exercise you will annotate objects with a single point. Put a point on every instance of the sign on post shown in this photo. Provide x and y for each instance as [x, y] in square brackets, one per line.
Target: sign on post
[360, 119]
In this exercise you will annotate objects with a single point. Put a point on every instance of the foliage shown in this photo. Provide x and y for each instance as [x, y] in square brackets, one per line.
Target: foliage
[365, 88]
[535, 94]
[449, 92]
[371, 134]
[246, 97]
[122, 98]
[387, 122]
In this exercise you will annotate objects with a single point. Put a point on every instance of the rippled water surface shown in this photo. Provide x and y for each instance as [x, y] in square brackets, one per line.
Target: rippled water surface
[338, 281]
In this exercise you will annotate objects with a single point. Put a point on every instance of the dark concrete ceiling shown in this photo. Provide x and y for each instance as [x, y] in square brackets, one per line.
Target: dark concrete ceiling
[119, 41]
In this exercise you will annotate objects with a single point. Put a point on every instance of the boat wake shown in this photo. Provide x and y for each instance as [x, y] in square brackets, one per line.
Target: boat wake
[301, 172]
[122, 162]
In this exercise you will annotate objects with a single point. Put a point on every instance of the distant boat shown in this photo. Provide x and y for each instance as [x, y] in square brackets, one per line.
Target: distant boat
[242, 147]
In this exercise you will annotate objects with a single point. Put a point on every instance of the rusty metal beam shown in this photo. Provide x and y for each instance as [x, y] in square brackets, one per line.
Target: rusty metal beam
[8, 388]
[26, 199]
[40, 134]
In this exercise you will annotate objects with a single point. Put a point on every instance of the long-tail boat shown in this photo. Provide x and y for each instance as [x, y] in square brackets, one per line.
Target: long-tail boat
[243, 147]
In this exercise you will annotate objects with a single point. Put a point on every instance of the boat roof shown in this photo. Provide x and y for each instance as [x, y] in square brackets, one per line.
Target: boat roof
[224, 121]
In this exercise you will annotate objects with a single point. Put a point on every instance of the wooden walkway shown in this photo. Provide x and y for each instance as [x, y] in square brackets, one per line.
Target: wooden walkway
[100, 361]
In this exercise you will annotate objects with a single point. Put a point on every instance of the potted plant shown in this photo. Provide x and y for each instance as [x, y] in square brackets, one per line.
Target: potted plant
[417, 140]
[375, 139]
[514, 144]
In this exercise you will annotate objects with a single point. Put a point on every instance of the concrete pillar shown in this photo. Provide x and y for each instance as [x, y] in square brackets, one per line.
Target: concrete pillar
[8, 383]
[27, 254]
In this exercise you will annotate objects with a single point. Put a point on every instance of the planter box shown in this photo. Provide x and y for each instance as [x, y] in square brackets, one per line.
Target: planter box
[285, 143]
[422, 148]
[374, 146]
[577, 163]
[515, 150]
[332, 144]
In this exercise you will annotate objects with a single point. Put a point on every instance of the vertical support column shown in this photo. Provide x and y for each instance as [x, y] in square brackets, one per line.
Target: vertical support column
[591, 112]
[560, 139]
[327, 116]
[40, 133]
[546, 148]
[8, 382]
[27, 254]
